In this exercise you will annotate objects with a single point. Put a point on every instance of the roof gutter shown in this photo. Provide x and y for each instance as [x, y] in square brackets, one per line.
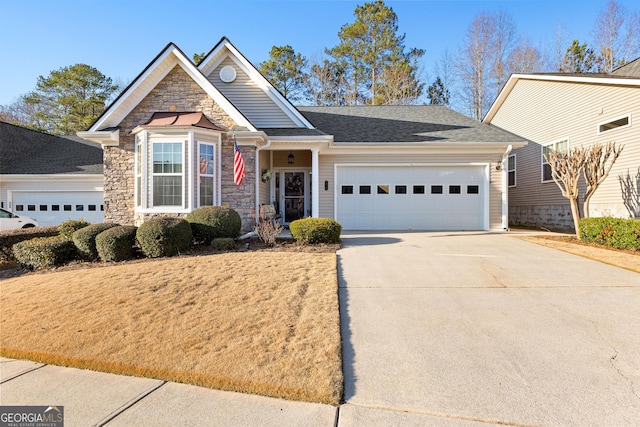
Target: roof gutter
[106, 138]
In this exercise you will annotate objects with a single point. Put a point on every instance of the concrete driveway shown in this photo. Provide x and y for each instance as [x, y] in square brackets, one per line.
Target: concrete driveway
[474, 328]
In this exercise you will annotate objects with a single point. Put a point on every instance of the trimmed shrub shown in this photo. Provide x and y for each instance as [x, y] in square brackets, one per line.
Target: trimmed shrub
[44, 252]
[85, 239]
[211, 222]
[223, 244]
[117, 243]
[69, 227]
[11, 237]
[315, 230]
[164, 237]
[616, 233]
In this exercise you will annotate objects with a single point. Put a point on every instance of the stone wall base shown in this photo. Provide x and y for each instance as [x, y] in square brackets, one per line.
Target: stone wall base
[550, 217]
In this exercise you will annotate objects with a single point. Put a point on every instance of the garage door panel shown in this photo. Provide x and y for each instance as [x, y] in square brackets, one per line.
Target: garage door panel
[411, 211]
[56, 207]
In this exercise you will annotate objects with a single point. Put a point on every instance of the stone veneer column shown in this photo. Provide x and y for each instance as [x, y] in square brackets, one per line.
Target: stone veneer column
[239, 198]
[118, 185]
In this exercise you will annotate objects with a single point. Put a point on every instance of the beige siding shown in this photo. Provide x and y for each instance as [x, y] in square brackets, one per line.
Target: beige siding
[250, 99]
[547, 111]
[264, 185]
[328, 162]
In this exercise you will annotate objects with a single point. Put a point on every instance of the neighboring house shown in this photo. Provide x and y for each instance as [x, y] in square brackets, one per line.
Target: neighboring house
[168, 149]
[50, 178]
[560, 111]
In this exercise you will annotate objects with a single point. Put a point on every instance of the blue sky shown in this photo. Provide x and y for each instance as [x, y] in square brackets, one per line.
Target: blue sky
[120, 37]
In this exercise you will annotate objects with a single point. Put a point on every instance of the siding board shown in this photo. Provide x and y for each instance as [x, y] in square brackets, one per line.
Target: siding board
[546, 111]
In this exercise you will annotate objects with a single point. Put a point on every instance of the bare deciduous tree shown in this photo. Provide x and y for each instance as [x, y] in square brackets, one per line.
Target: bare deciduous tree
[525, 58]
[616, 36]
[566, 169]
[598, 163]
[474, 65]
[482, 60]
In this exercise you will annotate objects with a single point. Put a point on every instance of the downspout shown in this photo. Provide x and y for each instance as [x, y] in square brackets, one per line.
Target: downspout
[258, 150]
[505, 188]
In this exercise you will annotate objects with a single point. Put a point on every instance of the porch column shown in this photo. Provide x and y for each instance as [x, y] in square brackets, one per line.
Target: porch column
[315, 180]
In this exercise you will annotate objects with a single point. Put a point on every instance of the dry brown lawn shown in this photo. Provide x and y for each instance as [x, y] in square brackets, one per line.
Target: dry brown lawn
[629, 260]
[257, 322]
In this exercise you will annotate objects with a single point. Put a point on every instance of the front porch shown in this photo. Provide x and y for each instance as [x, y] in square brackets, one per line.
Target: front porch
[289, 181]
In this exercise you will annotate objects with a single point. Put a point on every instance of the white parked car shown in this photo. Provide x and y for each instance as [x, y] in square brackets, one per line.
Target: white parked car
[11, 221]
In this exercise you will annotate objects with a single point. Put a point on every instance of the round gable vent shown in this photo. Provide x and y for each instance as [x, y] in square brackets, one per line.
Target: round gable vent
[227, 74]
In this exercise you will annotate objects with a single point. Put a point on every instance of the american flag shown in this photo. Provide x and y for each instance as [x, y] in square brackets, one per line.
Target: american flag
[238, 165]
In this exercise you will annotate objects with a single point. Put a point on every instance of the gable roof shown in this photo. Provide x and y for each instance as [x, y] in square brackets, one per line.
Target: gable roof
[223, 49]
[157, 69]
[404, 124]
[631, 69]
[598, 79]
[24, 151]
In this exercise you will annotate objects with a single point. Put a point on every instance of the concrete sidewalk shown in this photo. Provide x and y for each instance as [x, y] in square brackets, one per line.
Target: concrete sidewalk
[98, 399]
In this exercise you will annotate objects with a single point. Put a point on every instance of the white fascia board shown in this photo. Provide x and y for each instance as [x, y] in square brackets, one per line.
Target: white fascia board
[105, 138]
[304, 139]
[267, 87]
[457, 151]
[504, 93]
[115, 115]
[134, 95]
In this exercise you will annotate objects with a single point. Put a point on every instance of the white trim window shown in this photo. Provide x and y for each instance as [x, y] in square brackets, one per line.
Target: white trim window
[511, 170]
[167, 174]
[560, 146]
[206, 174]
[614, 124]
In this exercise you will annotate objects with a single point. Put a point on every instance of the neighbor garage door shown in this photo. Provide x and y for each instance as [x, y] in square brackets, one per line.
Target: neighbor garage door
[412, 197]
[55, 207]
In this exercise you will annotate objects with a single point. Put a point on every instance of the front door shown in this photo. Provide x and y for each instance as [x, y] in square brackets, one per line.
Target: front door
[292, 186]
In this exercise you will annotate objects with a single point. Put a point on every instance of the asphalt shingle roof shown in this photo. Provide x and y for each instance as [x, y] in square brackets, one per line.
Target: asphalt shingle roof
[632, 69]
[24, 151]
[403, 124]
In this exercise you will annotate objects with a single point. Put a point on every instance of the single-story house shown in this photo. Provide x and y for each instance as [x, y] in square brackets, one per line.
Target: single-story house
[50, 178]
[560, 111]
[169, 142]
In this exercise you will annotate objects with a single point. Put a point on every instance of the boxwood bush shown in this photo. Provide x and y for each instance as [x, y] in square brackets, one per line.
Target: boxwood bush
[117, 243]
[85, 239]
[164, 237]
[44, 252]
[315, 230]
[223, 244]
[212, 222]
[9, 238]
[617, 233]
[68, 227]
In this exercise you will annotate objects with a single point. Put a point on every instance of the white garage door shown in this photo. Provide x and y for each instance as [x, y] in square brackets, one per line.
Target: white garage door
[412, 197]
[55, 207]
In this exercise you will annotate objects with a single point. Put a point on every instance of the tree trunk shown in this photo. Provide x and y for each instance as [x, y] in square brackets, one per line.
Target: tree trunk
[585, 205]
[575, 212]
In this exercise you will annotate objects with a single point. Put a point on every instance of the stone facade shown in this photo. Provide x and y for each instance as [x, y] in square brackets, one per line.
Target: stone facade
[550, 217]
[241, 198]
[176, 92]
